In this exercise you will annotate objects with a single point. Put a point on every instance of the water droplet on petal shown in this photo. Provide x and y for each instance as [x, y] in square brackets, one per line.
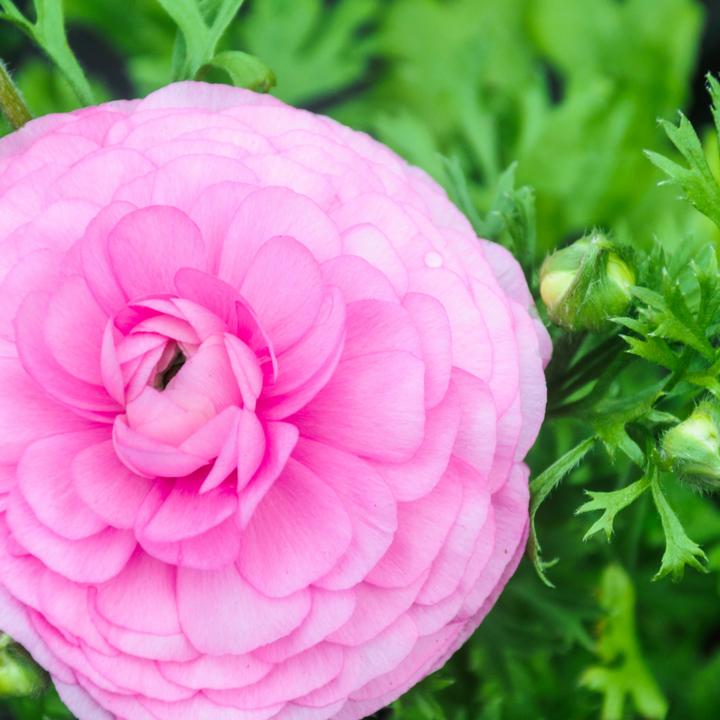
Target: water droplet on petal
[433, 259]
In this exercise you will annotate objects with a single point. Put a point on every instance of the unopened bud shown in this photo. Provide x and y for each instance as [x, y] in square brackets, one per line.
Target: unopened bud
[693, 447]
[20, 675]
[585, 284]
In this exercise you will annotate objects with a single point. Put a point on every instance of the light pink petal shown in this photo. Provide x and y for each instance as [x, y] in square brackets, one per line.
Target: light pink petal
[209, 439]
[477, 436]
[164, 152]
[203, 322]
[218, 672]
[20, 573]
[369, 243]
[367, 499]
[471, 348]
[200, 707]
[375, 610]
[372, 406]
[196, 95]
[298, 364]
[213, 211]
[151, 458]
[64, 604]
[74, 329]
[137, 674]
[330, 610]
[92, 559]
[272, 212]
[96, 261]
[209, 292]
[374, 326]
[185, 513]
[508, 272]
[175, 647]
[279, 171]
[147, 247]
[45, 480]
[110, 370]
[246, 370]
[358, 279]
[423, 526]
[285, 287]
[97, 177]
[297, 533]
[533, 390]
[141, 597]
[280, 439]
[449, 566]
[363, 663]
[418, 476]
[432, 323]
[509, 427]
[222, 613]
[27, 413]
[298, 675]
[42, 366]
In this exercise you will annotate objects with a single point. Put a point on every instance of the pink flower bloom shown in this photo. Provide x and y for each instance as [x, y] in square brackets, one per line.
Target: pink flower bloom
[264, 401]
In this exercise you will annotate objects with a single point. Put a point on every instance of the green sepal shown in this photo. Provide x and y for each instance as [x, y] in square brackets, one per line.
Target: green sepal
[245, 71]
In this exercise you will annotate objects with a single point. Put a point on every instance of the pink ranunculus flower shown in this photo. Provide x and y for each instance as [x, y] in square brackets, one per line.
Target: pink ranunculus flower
[264, 401]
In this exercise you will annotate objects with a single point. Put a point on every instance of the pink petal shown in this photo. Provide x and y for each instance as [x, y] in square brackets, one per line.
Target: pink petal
[150, 458]
[419, 475]
[27, 413]
[280, 440]
[96, 261]
[208, 440]
[222, 613]
[210, 292]
[297, 533]
[45, 481]
[423, 526]
[143, 267]
[213, 211]
[273, 212]
[432, 323]
[376, 609]
[363, 663]
[246, 369]
[186, 514]
[285, 287]
[509, 427]
[358, 279]
[203, 322]
[372, 406]
[42, 366]
[366, 498]
[216, 671]
[200, 706]
[477, 436]
[74, 329]
[90, 560]
[298, 675]
[330, 610]
[374, 326]
[369, 243]
[141, 597]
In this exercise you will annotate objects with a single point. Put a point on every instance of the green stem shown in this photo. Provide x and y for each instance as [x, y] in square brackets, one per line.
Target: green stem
[11, 104]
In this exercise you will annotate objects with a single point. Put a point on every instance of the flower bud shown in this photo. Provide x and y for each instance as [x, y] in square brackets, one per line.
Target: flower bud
[693, 447]
[585, 284]
[20, 675]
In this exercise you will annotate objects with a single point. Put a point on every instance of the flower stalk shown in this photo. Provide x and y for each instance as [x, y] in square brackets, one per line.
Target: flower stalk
[11, 103]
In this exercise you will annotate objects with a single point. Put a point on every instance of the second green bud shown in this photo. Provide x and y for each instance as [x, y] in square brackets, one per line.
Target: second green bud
[586, 283]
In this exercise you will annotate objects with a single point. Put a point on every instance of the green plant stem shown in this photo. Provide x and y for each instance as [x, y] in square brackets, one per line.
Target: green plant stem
[11, 104]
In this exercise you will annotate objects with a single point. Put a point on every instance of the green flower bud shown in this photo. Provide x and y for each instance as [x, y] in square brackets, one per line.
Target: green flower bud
[585, 284]
[693, 447]
[20, 675]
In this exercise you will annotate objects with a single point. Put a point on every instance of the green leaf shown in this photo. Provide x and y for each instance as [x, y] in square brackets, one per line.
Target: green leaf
[623, 674]
[680, 550]
[654, 349]
[612, 503]
[245, 70]
[49, 33]
[540, 488]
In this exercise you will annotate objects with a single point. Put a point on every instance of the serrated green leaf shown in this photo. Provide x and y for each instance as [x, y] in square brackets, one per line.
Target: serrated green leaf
[633, 324]
[654, 349]
[612, 503]
[540, 488]
[623, 674]
[671, 328]
[245, 71]
[680, 550]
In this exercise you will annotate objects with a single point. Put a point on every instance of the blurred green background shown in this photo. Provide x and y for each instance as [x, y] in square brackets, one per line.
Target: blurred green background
[571, 89]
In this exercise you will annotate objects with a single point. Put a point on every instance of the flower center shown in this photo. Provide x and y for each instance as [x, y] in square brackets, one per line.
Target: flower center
[162, 379]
